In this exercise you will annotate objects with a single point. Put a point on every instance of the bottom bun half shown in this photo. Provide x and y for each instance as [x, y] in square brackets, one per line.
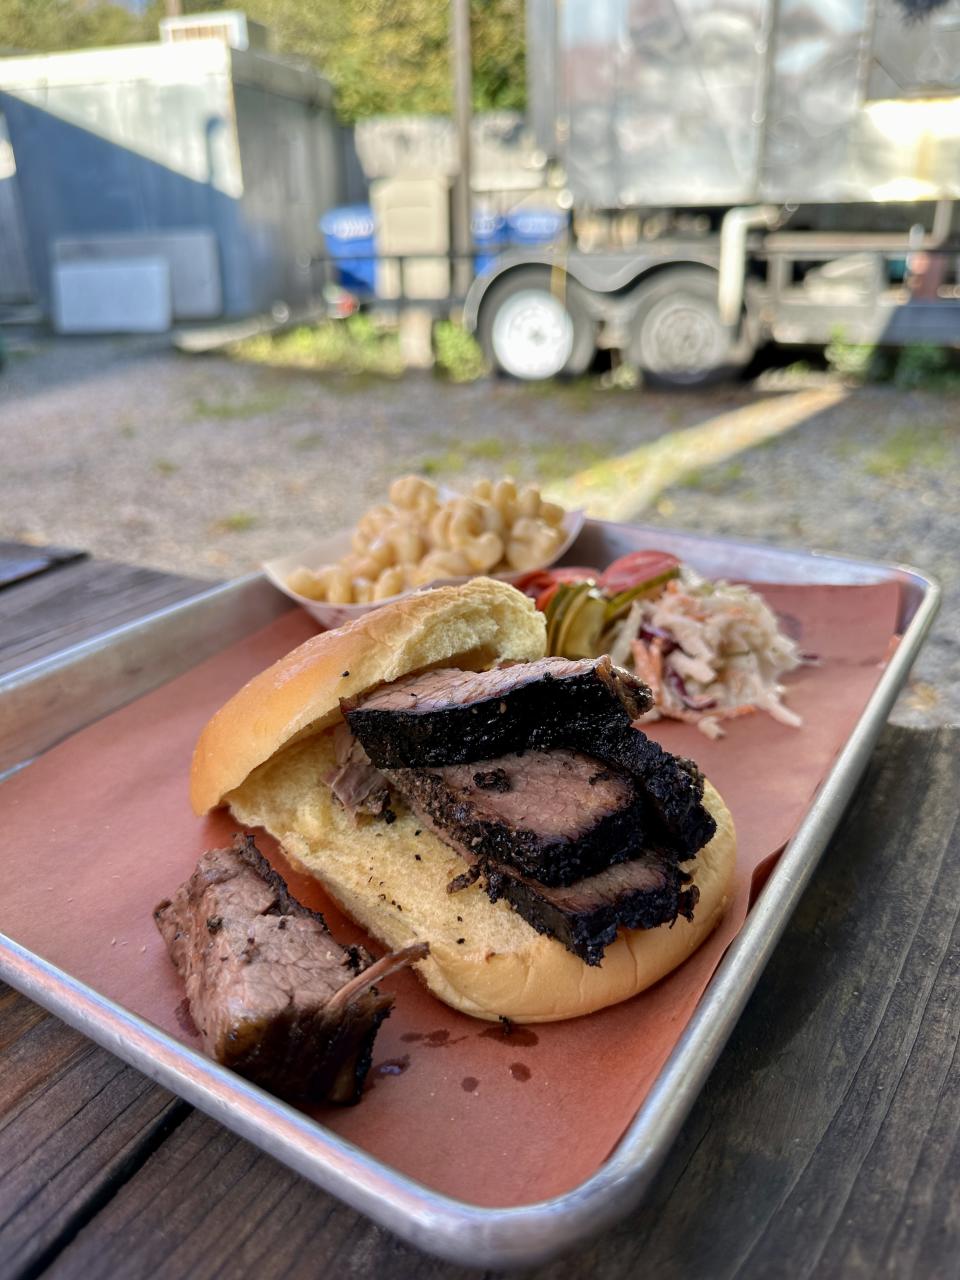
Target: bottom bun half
[485, 960]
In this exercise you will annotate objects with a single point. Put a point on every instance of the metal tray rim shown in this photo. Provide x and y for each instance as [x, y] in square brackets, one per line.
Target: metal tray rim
[453, 1229]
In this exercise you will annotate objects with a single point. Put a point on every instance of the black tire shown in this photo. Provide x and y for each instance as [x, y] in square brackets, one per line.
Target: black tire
[558, 287]
[678, 340]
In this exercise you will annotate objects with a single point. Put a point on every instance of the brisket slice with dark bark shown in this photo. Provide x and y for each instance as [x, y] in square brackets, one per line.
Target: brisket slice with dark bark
[641, 894]
[272, 994]
[554, 815]
[451, 716]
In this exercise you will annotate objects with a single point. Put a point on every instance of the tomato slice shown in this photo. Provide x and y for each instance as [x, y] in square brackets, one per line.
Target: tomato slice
[534, 583]
[636, 568]
[544, 598]
[542, 582]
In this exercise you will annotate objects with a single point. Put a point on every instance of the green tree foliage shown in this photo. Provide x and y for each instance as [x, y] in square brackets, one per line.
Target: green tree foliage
[388, 57]
[385, 57]
[31, 25]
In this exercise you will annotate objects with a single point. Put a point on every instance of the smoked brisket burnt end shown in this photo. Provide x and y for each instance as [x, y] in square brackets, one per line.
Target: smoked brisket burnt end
[451, 716]
[554, 815]
[272, 994]
[585, 917]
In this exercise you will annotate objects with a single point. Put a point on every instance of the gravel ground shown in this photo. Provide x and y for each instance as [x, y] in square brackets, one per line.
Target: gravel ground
[204, 465]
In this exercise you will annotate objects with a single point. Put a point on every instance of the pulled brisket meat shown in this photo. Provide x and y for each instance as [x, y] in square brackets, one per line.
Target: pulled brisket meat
[358, 786]
[271, 993]
[534, 773]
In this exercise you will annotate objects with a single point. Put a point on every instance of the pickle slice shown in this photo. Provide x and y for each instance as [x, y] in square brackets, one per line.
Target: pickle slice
[558, 609]
[620, 603]
[579, 635]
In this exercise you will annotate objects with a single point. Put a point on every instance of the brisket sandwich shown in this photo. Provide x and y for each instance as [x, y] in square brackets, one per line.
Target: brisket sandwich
[449, 784]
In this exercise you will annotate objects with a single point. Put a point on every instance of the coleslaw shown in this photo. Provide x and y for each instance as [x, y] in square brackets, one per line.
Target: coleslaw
[709, 650]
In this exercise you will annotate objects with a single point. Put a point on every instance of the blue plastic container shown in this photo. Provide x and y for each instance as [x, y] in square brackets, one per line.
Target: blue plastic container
[535, 226]
[489, 232]
[350, 230]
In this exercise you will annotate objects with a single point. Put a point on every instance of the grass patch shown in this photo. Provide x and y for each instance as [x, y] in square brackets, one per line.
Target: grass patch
[442, 463]
[557, 461]
[578, 393]
[354, 345]
[457, 353]
[713, 479]
[860, 361]
[230, 409]
[919, 366]
[487, 449]
[924, 366]
[164, 467]
[908, 449]
[492, 448]
[541, 462]
[235, 522]
[310, 441]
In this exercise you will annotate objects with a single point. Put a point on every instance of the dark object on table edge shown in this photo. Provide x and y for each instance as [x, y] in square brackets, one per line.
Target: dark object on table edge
[19, 562]
[309, 1011]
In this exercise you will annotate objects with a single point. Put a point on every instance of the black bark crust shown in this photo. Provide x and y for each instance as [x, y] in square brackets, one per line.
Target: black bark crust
[535, 774]
[457, 717]
[615, 837]
[588, 930]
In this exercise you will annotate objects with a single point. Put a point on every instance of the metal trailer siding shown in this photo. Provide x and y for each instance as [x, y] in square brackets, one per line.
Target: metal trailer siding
[292, 172]
[664, 103]
[16, 285]
[150, 138]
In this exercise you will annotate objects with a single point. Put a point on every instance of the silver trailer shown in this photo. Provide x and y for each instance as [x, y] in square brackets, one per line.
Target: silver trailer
[736, 171]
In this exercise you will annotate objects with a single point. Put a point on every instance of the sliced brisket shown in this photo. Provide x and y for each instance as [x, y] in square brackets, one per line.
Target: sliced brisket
[535, 774]
[449, 717]
[640, 894]
[555, 815]
[272, 994]
[454, 717]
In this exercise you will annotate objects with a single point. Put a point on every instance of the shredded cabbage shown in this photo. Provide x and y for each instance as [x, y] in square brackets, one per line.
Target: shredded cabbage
[709, 651]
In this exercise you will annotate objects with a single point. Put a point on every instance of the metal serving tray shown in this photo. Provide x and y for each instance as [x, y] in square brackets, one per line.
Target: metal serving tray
[46, 701]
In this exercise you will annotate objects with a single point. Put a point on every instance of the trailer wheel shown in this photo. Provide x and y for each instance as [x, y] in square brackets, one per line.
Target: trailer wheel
[678, 339]
[531, 330]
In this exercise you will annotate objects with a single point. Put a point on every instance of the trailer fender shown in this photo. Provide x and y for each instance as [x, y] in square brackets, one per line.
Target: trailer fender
[600, 275]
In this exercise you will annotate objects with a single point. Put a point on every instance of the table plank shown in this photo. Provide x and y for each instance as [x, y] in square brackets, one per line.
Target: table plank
[74, 1121]
[80, 600]
[826, 1141]
[74, 1124]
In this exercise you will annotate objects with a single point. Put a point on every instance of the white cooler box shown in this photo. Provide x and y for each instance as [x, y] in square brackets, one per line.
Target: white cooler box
[112, 295]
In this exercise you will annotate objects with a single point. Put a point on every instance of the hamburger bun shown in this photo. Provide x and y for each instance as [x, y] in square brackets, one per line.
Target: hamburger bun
[266, 751]
[472, 627]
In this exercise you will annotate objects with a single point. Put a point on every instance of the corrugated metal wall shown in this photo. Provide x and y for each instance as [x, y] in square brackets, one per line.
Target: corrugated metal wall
[15, 283]
[160, 138]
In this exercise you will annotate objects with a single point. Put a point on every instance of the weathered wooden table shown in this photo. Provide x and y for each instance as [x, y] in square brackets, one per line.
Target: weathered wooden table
[825, 1143]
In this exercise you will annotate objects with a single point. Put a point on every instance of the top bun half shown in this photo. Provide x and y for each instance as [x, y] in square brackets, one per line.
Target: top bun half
[473, 627]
